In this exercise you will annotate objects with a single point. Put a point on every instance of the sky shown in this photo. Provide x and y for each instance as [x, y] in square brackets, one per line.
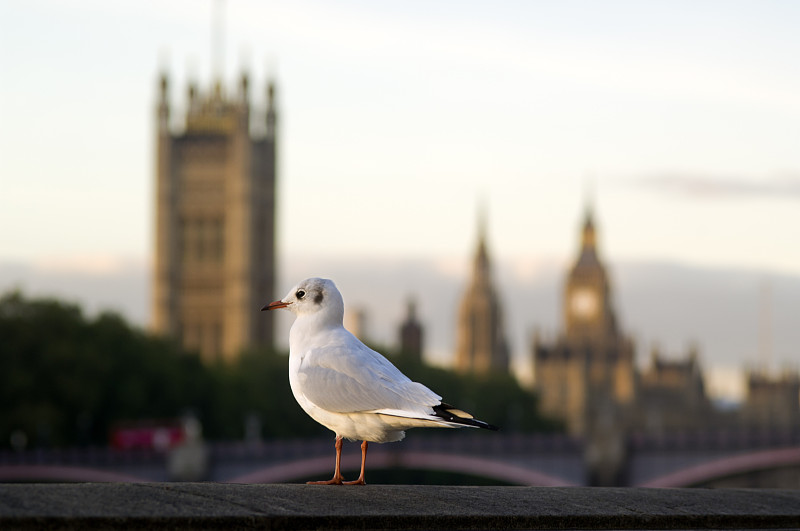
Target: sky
[678, 121]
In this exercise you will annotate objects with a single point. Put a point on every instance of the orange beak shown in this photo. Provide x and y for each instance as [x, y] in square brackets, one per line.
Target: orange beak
[275, 305]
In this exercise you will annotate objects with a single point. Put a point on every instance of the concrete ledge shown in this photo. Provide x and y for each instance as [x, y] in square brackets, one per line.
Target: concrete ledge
[283, 506]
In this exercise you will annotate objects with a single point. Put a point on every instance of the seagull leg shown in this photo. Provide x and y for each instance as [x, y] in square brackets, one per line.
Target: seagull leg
[360, 480]
[337, 473]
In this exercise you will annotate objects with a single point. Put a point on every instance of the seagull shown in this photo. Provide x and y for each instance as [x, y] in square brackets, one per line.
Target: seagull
[348, 387]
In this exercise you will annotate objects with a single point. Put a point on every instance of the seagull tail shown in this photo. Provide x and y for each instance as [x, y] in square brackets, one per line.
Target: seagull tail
[456, 416]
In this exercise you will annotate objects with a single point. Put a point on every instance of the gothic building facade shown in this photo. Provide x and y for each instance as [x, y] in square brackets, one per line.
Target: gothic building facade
[215, 221]
[772, 399]
[671, 394]
[481, 345]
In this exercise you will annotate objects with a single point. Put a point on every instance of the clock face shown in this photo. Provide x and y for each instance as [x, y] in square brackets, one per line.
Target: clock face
[584, 303]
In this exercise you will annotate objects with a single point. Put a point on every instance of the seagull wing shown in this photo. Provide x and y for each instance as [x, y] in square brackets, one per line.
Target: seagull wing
[348, 377]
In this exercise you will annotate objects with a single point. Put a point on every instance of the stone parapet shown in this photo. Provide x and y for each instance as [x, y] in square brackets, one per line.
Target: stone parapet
[285, 506]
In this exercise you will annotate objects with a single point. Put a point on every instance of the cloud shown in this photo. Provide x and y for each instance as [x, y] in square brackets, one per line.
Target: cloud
[89, 264]
[785, 186]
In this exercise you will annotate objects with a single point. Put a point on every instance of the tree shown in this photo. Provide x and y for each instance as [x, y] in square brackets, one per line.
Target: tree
[67, 379]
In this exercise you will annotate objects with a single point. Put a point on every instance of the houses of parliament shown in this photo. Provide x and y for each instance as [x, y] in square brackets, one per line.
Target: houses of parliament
[215, 178]
[587, 377]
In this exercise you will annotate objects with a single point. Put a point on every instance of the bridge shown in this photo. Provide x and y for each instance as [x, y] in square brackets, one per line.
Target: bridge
[683, 459]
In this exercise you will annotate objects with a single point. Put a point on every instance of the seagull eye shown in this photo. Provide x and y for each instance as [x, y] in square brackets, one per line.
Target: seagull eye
[300, 294]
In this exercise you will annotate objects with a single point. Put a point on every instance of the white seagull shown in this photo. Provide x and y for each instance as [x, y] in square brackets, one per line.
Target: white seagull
[348, 387]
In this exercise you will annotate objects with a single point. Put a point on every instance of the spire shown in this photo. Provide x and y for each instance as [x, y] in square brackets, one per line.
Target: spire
[411, 333]
[163, 103]
[588, 238]
[192, 93]
[217, 44]
[412, 309]
[482, 254]
[244, 85]
[587, 256]
[480, 344]
[271, 110]
[163, 85]
[482, 224]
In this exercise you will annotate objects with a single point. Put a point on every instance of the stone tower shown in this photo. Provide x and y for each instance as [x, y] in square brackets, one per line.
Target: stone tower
[411, 333]
[480, 342]
[588, 316]
[587, 376]
[215, 221]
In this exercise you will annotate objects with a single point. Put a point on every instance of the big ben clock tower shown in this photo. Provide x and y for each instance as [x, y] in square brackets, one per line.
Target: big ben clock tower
[589, 367]
[588, 315]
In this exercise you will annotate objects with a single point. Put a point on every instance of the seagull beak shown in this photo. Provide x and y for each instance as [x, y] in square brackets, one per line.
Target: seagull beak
[275, 305]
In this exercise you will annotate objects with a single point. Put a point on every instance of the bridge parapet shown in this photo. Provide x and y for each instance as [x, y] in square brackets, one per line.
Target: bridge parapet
[718, 439]
[662, 460]
[217, 506]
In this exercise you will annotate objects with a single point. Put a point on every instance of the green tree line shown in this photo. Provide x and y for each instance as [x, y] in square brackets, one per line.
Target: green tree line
[67, 379]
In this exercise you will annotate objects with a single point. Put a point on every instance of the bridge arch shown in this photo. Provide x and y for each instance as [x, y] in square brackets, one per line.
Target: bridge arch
[477, 466]
[728, 466]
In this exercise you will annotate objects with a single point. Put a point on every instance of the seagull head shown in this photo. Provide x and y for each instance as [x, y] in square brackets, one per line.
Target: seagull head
[312, 296]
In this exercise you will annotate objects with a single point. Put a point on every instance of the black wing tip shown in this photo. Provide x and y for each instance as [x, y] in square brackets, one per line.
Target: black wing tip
[486, 425]
[445, 412]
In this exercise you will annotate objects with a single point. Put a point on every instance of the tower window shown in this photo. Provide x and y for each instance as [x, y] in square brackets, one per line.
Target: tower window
[218, 240]
[201, 240]
[201, 235]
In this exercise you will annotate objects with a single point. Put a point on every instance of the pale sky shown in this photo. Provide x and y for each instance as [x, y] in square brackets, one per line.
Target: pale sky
[681, 120]
[398, 117]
